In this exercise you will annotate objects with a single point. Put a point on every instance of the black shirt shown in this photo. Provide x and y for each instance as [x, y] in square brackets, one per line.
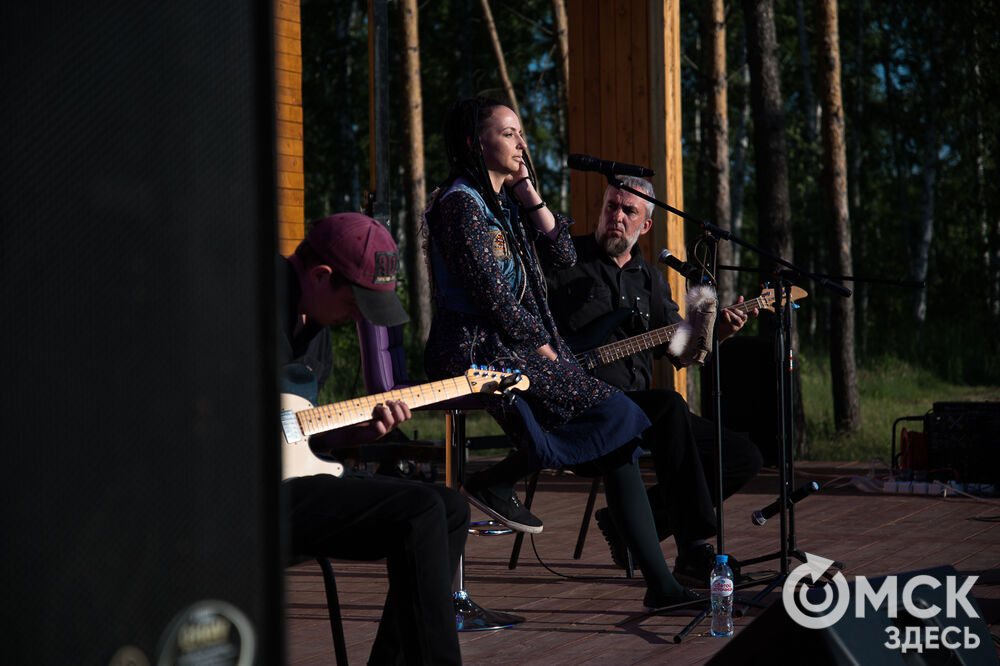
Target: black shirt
[587, 297]
[308, 345]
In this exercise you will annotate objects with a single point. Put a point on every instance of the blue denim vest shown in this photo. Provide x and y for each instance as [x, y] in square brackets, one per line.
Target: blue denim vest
[451, 290]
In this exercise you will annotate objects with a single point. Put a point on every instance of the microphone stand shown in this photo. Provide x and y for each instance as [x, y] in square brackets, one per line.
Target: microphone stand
[788, 548]
[784, 360]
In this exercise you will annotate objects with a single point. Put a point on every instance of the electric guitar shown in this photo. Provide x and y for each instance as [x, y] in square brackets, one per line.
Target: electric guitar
[617, 350]
[300, 419]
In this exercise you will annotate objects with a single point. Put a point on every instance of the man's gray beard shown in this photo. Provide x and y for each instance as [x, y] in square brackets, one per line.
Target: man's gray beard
[616, 247]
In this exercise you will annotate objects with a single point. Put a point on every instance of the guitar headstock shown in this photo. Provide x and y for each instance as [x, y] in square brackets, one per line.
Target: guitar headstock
[767, 297]
[485, 379]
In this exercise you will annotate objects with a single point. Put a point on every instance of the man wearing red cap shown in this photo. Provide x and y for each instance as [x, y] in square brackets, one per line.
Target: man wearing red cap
[344, 270]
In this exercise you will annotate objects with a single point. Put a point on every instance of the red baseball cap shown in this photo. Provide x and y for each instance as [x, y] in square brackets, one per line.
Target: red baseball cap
[362, 250]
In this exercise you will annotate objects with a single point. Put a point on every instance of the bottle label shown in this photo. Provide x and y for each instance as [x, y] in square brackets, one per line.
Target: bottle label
[722, 587]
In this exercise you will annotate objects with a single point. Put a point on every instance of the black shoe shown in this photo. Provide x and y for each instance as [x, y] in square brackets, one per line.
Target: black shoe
[694, 565]
[654, 603]
[616, 542]
[506, 510]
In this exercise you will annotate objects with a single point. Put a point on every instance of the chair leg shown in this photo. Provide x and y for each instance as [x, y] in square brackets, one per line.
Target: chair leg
[587, 513]
[529, 495]
[333, 606]
[469, 616]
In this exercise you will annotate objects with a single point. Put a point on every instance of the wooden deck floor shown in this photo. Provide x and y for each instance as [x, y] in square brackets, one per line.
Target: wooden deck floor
[586, 612]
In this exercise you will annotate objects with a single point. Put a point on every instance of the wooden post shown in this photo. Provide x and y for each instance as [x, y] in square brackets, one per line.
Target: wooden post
[288, 124]
[624, 105]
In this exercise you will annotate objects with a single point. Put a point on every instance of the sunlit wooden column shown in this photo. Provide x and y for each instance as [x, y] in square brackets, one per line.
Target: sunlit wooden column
[624, 105]
[288, 124]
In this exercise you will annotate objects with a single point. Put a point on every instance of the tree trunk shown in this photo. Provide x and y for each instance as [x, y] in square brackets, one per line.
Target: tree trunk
[740, 146]
[418, 282]
[770, 151]
[562, 47]
[562, 53]
[810, 108]
[846, 404]
[893, 101]
[929, 160]
[925, 232]
[508, 87]
[773, 207]
[716, 127]
[854, 154]
[491, 30]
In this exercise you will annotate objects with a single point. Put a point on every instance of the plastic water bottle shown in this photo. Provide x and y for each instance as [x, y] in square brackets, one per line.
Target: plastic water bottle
[722, 597]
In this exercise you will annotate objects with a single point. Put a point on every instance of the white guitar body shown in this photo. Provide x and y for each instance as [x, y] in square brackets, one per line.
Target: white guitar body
[297, 458]
[300, 419]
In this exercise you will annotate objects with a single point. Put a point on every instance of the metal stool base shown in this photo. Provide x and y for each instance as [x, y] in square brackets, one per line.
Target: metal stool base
[488, 528]
[470, 616]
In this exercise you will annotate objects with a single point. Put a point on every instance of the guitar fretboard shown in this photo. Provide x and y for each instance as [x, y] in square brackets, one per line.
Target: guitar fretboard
[349, 412]
[639, 343]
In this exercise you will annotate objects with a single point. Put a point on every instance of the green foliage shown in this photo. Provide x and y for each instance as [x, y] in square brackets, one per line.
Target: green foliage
[889, 388]
[345, 378]
[456, 62]
[909, 68]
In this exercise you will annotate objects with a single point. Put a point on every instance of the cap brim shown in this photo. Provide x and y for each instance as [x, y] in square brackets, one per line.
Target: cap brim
[381, 308]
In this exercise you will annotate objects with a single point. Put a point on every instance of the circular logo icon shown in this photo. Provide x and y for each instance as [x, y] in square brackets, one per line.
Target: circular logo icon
[820, 615]
[208, 632]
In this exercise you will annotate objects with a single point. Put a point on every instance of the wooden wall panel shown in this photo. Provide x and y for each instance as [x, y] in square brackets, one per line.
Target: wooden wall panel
[288, 117]
[624, 105]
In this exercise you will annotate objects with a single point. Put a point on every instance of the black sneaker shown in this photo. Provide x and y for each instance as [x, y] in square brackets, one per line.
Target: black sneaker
[508, 511]
[694, 565]
[616, 542]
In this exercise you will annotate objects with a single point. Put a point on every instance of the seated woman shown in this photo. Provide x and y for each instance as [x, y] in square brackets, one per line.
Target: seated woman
[487, 229]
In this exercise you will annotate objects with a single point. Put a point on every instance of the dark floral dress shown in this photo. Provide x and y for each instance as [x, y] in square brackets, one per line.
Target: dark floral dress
[491, 310]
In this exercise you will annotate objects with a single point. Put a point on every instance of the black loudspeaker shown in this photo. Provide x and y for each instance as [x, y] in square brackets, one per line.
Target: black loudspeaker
[749, 391]
[961, 442]
[774, 638]
[141, 470]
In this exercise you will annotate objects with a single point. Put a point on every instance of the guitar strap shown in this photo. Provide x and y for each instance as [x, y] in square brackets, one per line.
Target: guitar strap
[655, 300]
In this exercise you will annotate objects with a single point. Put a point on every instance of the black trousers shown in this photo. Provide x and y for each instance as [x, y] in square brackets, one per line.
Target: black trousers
[683, 449]
[420, 530]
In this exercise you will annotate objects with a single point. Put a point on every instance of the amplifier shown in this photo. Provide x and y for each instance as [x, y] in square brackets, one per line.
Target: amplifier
[962, 441]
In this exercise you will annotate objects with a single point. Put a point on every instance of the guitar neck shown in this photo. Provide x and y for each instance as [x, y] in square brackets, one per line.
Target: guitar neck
[618, 350]
[644, 341]
[349, 412]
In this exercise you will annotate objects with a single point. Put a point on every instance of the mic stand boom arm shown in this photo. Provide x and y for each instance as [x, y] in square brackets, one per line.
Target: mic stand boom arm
[725, 234]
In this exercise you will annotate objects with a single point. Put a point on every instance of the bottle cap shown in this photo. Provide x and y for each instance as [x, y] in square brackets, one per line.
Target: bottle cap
[721, 559]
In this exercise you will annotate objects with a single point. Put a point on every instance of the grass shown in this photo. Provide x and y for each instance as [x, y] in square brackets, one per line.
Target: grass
[888, 389]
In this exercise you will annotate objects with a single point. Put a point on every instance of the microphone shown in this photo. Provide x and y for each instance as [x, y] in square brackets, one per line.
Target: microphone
[689, 271]
[760, 517]
[607, 167]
